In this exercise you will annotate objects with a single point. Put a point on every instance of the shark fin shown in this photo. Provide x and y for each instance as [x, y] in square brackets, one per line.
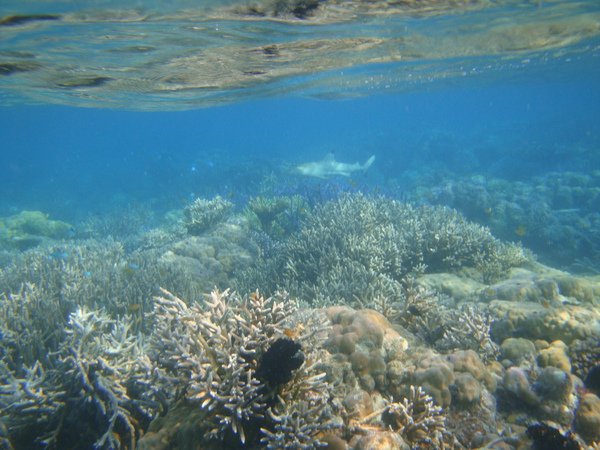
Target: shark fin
[329, 157]
[368, 163]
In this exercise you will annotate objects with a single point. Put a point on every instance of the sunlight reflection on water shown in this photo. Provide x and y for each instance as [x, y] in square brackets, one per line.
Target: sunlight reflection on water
[185, 57]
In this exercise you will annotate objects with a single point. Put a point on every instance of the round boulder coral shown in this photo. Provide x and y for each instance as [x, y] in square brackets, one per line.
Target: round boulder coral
[587, 419]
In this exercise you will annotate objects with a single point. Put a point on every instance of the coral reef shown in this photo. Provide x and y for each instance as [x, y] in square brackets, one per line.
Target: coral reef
[278, 216]
[543, 393]
[584, 355]
[417, 419]
[587, 420]
[430, 337]
[70, 321]
[545, 437]
[365, 344]
[93, 392]
[95, 274]
[30, 228]
[210, 260]
[202, 214]
[471, 329]
[360, 247]
[556, 215]
[217, 355]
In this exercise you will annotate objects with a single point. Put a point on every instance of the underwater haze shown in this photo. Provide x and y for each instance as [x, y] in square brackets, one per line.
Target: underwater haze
[421, 177]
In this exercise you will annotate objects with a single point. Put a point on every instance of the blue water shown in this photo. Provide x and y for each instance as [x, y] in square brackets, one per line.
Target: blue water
[72, 161]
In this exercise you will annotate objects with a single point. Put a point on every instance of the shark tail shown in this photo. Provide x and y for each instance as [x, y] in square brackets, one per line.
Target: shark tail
[368, 163]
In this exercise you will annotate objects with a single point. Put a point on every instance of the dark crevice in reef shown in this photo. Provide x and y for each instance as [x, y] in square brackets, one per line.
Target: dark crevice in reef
[545, 437]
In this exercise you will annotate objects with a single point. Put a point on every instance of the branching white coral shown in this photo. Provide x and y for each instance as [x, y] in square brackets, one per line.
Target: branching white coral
[102, 361]
[202, 214]
[416, 418]
[357, 247]
[28, 397]
[99, 376]
[301, 413]
[214, 350]
[471, 332]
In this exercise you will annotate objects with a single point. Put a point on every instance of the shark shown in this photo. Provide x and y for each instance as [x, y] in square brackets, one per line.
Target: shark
[329, 167]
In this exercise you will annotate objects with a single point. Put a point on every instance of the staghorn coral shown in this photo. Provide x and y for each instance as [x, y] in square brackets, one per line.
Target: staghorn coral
[213, 352]
[301, 413]
[94, 392]
[105, 369]
[28, 399]
[470, 330]
[347, 246]
[95, 274]
[31, 325]
[277, 216]
[123, 222]
[203, 214]
[422, 311]
[416, 418]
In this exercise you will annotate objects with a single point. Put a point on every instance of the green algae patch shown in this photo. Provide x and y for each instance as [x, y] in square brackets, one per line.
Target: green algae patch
[27, 229]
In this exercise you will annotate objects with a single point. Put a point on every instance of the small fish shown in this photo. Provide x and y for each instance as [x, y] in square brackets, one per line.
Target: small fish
[521, 230]
[352, 183]
[131, 268]
[59, 255]
[329, 167]
[294, 333]
[412, 309]
[546, 303]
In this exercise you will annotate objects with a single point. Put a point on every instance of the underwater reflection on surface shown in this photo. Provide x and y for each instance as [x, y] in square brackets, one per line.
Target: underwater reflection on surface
[154, 58]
